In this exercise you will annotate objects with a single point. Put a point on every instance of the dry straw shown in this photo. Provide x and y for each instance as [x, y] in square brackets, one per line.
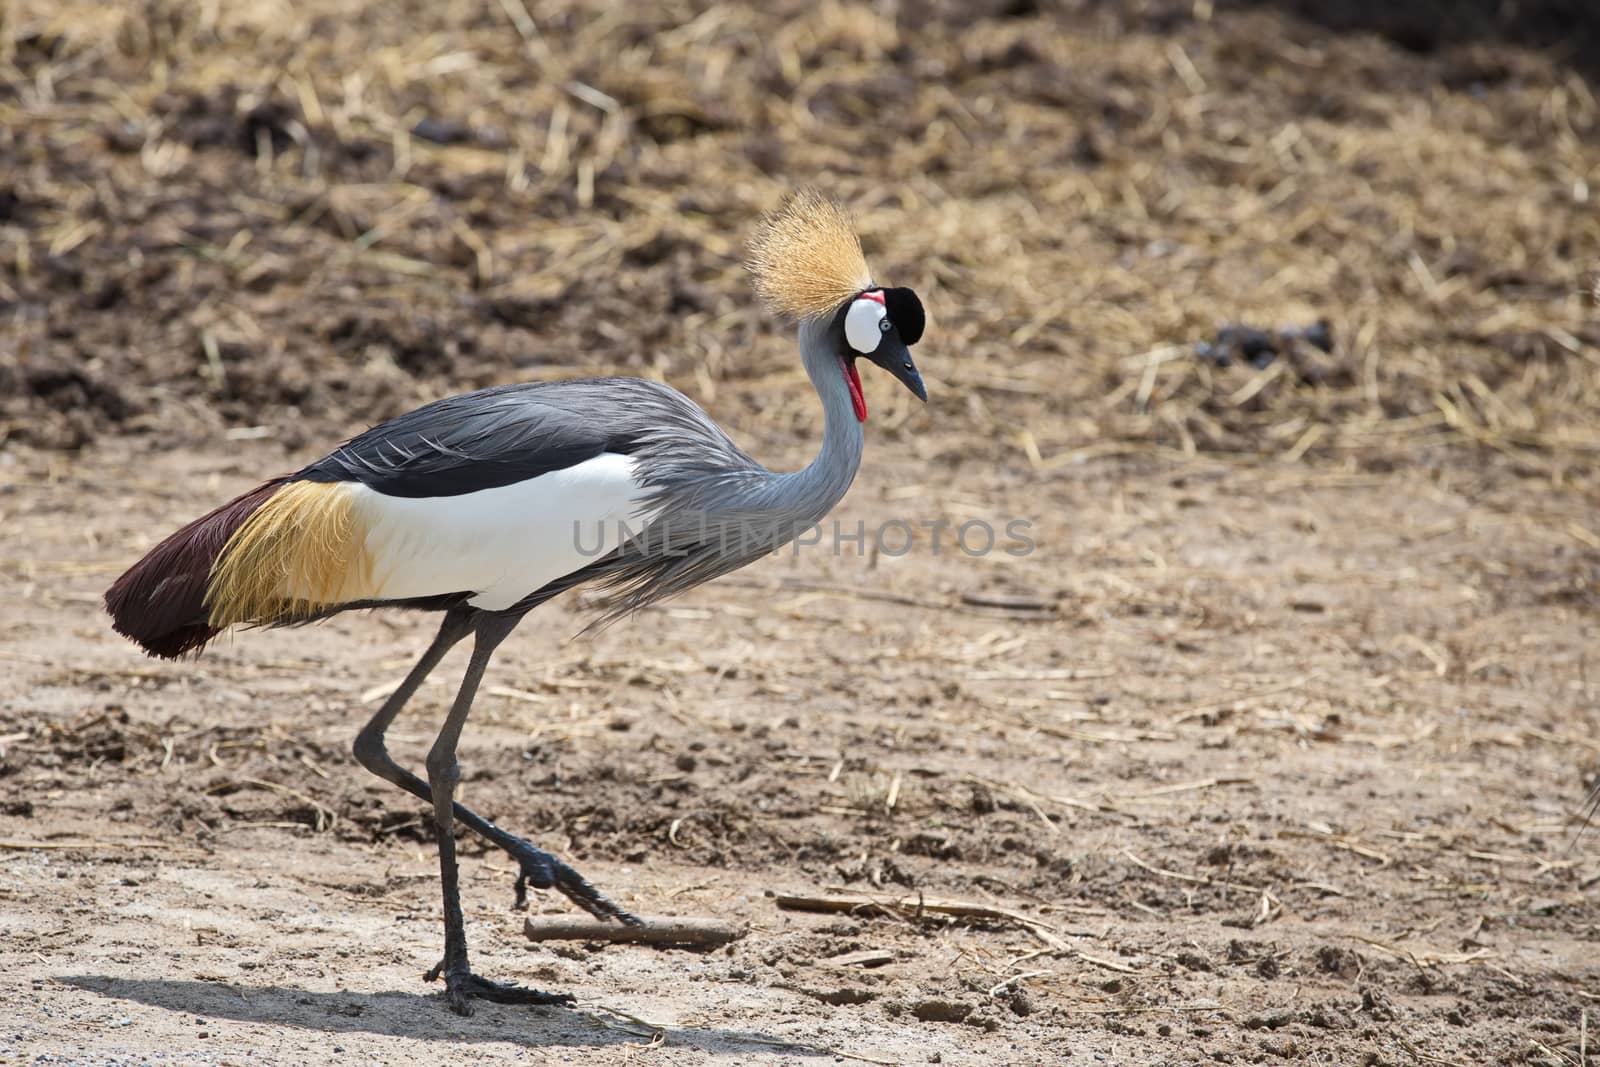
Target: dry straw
[1076, 209]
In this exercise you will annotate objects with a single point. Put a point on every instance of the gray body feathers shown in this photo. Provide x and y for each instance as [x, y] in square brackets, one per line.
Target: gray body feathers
[710, 509]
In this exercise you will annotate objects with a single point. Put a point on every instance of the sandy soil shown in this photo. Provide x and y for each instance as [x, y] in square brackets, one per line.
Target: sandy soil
[1288, 766]
[1274, 749]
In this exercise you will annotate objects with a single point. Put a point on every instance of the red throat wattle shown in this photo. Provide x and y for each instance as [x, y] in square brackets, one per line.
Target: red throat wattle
[853, 380]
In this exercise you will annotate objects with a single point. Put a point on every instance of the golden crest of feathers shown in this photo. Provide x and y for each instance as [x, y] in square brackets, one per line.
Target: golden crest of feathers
[301, 551]
[806, 258]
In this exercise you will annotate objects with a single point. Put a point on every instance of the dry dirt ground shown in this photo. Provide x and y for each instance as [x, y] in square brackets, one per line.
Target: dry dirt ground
[1275, 748]
[1286, 773]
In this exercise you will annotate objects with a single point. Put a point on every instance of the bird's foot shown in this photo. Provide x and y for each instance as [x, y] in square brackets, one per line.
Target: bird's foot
[543, 871]
[462, 987]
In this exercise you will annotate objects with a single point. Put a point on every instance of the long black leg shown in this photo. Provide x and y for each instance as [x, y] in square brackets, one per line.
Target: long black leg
[461, 985]
[536, 866]
[370, 749]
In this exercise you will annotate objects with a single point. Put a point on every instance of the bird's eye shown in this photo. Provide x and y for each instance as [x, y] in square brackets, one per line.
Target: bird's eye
[865, 323]
[884, 325]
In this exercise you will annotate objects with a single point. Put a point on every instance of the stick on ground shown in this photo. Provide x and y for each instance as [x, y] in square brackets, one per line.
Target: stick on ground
[917, 905]
[673, 932]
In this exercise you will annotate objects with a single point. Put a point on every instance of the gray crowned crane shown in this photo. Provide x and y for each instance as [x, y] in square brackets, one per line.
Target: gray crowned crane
[484, 506]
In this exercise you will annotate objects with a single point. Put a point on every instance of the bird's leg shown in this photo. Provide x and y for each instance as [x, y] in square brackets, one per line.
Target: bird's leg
[536, 867]
[461, 985]
[371, 751]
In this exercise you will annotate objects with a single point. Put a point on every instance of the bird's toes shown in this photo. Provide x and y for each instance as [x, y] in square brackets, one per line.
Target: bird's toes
[457, 988]
[605, 909]
[543, 871]
[595, 903]
[511, 993]
[460, 1003]
[462, 987]
[537, 873]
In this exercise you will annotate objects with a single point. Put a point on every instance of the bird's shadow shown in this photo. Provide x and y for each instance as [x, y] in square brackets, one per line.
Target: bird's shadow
[415, 1015]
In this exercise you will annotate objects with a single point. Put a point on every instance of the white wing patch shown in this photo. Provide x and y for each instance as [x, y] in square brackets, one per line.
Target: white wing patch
[863, 325]
[501, 544]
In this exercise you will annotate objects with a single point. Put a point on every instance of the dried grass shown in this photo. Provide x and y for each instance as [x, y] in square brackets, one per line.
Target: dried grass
[309, 216]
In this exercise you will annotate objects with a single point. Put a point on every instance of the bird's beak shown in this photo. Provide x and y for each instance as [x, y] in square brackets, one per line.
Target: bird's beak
[893, 356]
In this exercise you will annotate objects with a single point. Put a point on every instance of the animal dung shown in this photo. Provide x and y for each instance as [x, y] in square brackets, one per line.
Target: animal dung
[1258, 347]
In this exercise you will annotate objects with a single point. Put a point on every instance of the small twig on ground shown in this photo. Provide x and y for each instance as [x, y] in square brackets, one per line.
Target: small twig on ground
[1428, 958]
[656, 1034]
[1201, 710]
[1555, 1054]
[682, 933]
[1344, 841]
[1423, 1057]
[871, 957]
[324, 817]
[774, 1042]
[910, 906]
[20, 846]
[1011, 983]
[1193, 878]
[1101, 961]
[625, 1021]
[1030, 799]
[1185, 787]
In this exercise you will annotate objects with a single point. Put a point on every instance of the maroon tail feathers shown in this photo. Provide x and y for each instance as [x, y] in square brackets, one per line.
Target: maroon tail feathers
[160, 602]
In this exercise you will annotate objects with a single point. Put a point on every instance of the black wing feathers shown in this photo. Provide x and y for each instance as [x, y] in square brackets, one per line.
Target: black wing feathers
[482, 440]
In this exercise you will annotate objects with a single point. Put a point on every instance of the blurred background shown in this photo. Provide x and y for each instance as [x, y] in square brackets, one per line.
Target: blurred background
[307, 217]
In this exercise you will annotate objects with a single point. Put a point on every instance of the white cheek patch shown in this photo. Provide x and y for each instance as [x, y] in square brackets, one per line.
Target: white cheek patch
[863, 325]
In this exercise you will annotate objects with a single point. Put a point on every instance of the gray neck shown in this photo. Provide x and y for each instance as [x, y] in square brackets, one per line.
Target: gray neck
[716, 509]
[812, 492]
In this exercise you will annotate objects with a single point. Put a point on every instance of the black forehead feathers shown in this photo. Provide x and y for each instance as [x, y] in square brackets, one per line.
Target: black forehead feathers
[905, 311]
